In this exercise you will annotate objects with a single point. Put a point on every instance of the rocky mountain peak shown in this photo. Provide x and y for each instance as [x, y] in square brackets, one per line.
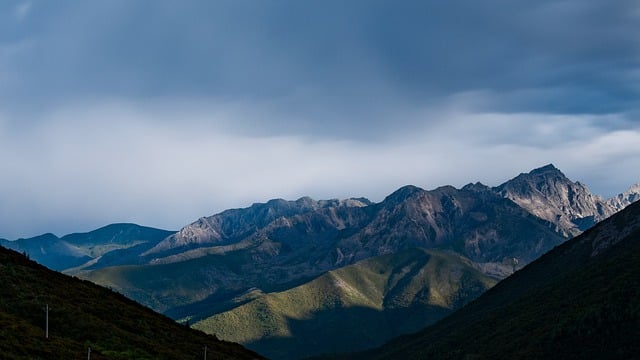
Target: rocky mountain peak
[547, 193]
[624, 199]
[402, 194]
[545, 180]
[547, 170]
[477, 187]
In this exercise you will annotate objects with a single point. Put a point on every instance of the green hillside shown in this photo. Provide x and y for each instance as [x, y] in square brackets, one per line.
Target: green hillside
[84, 315]
[355, 307]
[164, 286]
[579, 301]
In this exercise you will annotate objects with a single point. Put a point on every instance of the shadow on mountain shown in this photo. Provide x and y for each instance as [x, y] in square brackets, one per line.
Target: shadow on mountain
[221, 302]
[579, 301]
[346, 329]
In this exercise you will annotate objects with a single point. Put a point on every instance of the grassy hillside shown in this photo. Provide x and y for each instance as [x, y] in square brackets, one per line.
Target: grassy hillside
[164, 286]
[355, 307]
[84, 315]
[579, 301]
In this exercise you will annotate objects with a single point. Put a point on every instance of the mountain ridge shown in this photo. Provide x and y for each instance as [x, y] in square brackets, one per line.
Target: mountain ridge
[547, 193]
[239, 256]
[572, 302]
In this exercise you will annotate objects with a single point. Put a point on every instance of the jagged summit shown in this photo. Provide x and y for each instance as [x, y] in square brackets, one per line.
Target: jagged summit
[547, 193]
[402, 193]
[231, 225]
[621, 201]
[544, 192]
[477, 187]
[548, 169]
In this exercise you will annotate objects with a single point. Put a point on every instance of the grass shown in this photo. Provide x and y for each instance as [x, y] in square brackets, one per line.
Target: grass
[85, 315]
[355, 307]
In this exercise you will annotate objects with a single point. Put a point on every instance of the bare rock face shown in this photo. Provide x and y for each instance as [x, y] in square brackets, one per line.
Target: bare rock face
[548, 194]
[237, 224]
[625, 199]
[473, 221]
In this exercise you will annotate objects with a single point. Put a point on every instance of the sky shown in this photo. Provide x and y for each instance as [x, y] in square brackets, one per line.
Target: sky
[160, 112]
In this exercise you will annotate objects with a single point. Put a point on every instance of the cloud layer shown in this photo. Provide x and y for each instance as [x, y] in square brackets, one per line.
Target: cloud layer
[147, 112]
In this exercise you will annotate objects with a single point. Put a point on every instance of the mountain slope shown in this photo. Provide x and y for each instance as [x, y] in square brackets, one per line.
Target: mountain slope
[237, 224]
[576, 302]
[231, 259]
[548, 194]
[83, 315]
[474, 222]
[77, 249]
[367, 303]
[115, 236]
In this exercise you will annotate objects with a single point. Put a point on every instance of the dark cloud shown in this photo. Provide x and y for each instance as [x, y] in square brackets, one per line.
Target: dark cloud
[287, 98]
[330, 61]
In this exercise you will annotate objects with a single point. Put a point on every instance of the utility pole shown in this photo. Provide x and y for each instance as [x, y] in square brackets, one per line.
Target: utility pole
[205, 352]
[46, 323]
[89, 353]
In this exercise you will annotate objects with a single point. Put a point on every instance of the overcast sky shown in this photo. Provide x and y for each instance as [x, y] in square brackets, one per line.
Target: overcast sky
[160, 112]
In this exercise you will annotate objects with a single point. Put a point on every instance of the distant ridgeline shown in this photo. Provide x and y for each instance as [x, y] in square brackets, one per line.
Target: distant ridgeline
[291, 279]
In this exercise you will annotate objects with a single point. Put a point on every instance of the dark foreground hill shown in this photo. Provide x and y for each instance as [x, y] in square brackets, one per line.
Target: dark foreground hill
[83, 315]
[578, 301]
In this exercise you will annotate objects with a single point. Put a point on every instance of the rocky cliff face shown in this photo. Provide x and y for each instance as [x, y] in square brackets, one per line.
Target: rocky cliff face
[237, 224]
[548, 194]
[625, 199]
[473, 221]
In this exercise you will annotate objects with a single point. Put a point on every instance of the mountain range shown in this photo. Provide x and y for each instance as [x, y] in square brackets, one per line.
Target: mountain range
[579, 301]
[282, 276]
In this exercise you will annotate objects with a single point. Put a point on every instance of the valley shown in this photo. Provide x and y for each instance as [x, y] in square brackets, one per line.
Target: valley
[300, 278]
